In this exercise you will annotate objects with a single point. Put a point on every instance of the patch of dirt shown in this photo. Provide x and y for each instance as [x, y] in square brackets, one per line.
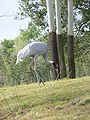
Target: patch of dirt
[23, 111]
[3, 116]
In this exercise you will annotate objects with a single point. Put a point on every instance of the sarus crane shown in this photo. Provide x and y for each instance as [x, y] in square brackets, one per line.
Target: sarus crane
[34, 50]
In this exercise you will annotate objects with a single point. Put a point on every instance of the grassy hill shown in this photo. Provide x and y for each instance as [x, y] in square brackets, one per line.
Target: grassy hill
[57, 100]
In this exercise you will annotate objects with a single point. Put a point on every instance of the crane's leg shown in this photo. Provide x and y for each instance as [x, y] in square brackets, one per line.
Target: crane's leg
[39, 79]
[33, 61]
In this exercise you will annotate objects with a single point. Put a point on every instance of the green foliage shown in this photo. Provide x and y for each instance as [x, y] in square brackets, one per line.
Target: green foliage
[34, 9]
[6, 54]
[11, 74]
[82, 54]
[82, 47]
[85, 101]
[8, 46]
[82, 9]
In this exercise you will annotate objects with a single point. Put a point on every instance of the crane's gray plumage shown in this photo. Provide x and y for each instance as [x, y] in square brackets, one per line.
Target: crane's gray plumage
[34, 50]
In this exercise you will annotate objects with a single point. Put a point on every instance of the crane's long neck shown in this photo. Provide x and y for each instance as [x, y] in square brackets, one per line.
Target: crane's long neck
[55, 65]
[52, 63]
[46, 60]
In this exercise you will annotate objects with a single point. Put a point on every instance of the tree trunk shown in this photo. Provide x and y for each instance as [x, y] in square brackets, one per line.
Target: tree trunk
[54, 51]
[52, 33]
[71, 61]
[59, 39]
[61, 57]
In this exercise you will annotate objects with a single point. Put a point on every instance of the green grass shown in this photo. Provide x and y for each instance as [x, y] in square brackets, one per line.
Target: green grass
[57, 100]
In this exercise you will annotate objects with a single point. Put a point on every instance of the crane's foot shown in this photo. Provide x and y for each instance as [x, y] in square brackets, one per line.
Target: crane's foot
[38, 77]
[41, 81]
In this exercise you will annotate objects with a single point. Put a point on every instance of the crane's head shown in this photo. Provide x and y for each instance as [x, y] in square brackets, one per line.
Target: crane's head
[19, 58]
[55, 65]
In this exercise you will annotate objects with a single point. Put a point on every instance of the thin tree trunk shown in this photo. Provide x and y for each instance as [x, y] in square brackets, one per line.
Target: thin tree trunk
[54, 50]
[61, 57]
[52, 33]
[59, 39]
[71, 61]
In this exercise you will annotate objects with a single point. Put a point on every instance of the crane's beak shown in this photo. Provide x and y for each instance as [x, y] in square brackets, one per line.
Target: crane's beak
[16, 62]
[20, 60]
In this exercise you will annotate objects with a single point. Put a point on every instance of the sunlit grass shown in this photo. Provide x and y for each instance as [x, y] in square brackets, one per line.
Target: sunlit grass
[57, 100]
